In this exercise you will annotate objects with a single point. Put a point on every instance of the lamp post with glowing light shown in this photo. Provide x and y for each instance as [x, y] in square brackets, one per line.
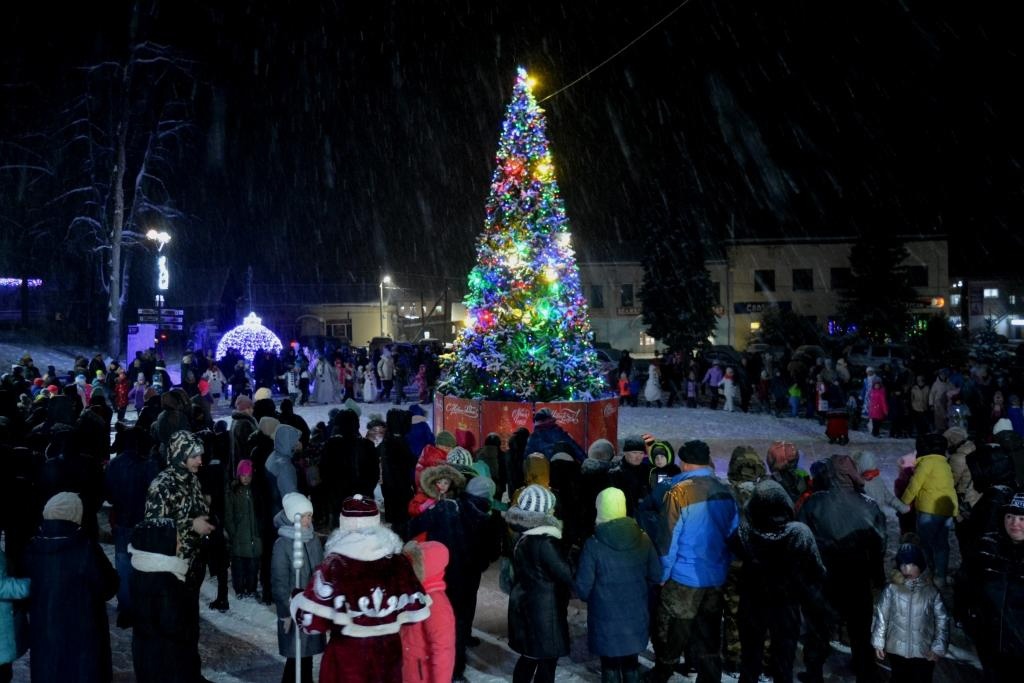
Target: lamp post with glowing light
[386, 280]
[163, 276]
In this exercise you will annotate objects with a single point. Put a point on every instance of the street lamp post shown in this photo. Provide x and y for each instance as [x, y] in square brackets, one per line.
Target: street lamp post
[163, 276]
[386, 280]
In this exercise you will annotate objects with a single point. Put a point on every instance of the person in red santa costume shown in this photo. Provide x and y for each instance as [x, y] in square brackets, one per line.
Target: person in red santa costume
[362, 593]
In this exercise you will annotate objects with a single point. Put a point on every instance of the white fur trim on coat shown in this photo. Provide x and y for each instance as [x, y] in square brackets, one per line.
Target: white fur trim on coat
[367, 544]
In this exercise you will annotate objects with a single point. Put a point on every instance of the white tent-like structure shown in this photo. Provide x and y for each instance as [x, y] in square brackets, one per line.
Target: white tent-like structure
[248, 338]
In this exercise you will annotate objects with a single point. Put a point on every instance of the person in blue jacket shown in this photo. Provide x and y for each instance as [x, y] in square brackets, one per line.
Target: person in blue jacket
[549, 438]
[699, 515]
[618, 567]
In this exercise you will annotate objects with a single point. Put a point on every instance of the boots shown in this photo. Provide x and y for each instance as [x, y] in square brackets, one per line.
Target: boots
[611, 675]
[631, 675]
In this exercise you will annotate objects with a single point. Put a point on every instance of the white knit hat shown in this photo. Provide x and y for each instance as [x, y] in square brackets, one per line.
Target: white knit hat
[1002, 425]
[296, 504]
[536, 498]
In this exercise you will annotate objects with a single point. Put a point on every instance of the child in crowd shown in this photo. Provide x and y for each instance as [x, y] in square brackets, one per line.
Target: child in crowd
[959, 413]
[663, 458]
[283, 578]
[634, 386]
[623, 389]
[121, 390]
[422, 393]
[728, 389]
[877, 489]
[428, 647]
[910, 626]
[878, 408]
[795, 394]
[242, 525]
[691, 390]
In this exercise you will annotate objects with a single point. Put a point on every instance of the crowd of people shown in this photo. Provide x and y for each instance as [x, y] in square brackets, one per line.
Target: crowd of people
[905, 399]
[397, 525]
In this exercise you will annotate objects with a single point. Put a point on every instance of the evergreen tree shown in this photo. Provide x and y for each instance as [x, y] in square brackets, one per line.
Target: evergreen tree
[677, 293]
[527, 334]
[787, 328]
[880, 295]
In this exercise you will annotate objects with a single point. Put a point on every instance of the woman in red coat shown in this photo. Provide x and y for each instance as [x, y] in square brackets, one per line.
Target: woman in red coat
[428, 647]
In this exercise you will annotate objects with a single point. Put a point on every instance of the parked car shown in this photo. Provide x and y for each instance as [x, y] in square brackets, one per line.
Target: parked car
[809, 353]
[726, 355]
[777, 352]
[874, 355]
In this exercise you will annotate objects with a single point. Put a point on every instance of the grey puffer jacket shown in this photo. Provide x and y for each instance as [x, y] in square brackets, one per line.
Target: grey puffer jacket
[910, 618]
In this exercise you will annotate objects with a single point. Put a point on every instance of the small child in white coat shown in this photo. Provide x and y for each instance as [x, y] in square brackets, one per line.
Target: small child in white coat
[728, 390]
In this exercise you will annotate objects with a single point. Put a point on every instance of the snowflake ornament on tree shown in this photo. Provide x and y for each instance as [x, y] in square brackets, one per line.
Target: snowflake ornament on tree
[248, 338]
[527, 335]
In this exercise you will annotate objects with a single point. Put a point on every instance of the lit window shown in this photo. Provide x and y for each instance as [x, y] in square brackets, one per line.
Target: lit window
[1012, 299]
[991, 294]
[755, 326]
[646, 339]
[954, 300]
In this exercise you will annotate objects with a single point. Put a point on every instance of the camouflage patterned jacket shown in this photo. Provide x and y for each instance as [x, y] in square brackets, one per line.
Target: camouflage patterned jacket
[175, 494]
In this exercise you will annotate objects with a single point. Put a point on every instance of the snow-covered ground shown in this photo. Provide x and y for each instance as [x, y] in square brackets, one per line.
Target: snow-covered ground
[241, 645]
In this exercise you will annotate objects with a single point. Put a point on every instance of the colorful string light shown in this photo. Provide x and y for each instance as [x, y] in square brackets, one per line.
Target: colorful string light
[527, 334]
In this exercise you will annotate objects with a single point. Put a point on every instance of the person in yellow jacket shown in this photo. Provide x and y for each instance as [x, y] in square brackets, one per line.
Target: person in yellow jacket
[933, 494]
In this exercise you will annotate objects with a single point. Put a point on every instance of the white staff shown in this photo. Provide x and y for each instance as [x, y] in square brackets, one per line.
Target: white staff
[298, 554]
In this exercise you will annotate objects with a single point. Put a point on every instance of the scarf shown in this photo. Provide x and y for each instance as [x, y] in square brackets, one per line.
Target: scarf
[145, 561]
[289, 532]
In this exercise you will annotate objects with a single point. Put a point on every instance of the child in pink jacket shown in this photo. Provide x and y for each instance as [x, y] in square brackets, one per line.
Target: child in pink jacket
[428, 647]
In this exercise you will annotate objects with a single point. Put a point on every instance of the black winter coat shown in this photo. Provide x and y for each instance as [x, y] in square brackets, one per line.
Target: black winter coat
[444, 523]
[850, 531]
[617, 568]
[566, 485]
[349, 466]
[633, 480]
[537, 623]
[779, 566]
[593, 480]
[397, 464]
[163, 633]
[71, 582]
[126, 482]
[996, 582]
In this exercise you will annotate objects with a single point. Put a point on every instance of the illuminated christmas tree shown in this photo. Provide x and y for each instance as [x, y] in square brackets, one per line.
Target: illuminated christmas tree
[527, 334]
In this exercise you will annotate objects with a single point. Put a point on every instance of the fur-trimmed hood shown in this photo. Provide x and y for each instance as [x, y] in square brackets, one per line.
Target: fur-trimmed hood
[371, 543]
[522, 520]
[433, 474]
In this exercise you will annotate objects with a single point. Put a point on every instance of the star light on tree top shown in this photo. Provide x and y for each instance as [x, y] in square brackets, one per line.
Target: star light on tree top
[527, 334]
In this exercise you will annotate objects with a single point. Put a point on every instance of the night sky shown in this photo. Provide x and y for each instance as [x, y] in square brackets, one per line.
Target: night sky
[333, 141]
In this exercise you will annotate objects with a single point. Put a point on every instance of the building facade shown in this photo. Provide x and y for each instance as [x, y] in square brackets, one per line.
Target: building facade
[995, 302]
[802, 275]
